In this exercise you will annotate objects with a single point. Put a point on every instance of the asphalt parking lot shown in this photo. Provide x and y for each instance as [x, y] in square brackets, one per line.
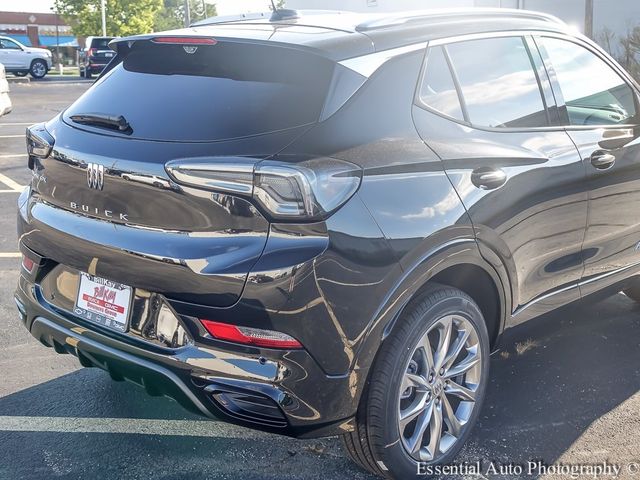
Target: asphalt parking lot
[564, 389]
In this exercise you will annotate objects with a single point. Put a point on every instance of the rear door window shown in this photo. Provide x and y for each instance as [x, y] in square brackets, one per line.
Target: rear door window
[498, 83]
[209, 93]
[593, 92]
[438, 90]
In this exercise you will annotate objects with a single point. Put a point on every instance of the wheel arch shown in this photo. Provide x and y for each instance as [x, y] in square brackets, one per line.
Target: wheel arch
[38, 59]
[475, 277]
[458, 264]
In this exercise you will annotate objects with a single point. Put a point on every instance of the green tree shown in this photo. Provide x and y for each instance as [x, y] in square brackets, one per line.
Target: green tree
[124, 17]
[606, 38]
[628, 57]
[172, 14]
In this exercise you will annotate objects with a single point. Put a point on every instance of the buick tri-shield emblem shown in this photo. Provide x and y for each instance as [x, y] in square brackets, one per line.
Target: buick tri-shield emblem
[95, 176]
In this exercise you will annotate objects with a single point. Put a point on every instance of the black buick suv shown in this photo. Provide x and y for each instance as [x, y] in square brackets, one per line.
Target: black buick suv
[322, 223]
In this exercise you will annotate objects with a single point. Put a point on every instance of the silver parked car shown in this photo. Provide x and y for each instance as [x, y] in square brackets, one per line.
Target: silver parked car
[5, 101]
[20, 59]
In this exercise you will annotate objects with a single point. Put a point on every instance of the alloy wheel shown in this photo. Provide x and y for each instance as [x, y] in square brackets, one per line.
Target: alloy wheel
[38, 69]
[438, 390]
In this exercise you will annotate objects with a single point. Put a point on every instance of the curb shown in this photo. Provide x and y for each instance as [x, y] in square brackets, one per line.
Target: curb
[63, 82]
[18, 79]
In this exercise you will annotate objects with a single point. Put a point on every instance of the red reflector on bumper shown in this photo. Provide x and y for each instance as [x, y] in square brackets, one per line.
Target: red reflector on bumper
[250, 336]
[28, 264]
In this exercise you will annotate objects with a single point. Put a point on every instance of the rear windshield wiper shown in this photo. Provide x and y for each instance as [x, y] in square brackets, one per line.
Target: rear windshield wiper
[113, 122]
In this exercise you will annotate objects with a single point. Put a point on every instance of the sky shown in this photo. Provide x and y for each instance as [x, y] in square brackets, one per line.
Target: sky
[225, 7]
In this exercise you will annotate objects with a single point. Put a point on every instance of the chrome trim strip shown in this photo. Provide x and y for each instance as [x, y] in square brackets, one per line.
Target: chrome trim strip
[576, 285]
[230, 174]
[609, 274]
[545, 296]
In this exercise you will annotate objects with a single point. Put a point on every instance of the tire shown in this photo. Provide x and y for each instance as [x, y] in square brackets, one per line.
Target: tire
[38, 69]
[377, 444]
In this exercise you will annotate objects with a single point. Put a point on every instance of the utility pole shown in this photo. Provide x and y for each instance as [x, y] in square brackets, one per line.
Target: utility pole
[104, 17]
[187, 14]
[588, 18]
[58, 45]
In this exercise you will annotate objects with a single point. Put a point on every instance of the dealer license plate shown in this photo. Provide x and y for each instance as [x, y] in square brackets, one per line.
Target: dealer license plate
[103, 302]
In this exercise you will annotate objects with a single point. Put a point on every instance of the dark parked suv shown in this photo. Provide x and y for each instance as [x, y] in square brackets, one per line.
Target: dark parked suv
[95, 56]
[320, 224]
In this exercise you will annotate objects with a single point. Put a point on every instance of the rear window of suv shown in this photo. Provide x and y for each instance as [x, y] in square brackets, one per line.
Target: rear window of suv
[101, 43]
[209, 93]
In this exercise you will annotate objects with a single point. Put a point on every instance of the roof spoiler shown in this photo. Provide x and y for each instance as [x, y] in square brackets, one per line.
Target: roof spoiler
[121, 45]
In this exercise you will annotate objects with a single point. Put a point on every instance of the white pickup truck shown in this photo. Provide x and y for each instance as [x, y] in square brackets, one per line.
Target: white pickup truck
[20, 59]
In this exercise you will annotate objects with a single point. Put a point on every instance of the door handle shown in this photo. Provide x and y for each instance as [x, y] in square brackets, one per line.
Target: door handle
[602, 160]
[488, 178]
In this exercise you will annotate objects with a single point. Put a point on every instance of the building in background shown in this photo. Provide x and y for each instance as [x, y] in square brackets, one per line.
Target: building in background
[47, 30]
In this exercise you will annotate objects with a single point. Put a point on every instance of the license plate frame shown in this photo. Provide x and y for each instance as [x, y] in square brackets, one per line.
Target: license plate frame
[104, 302]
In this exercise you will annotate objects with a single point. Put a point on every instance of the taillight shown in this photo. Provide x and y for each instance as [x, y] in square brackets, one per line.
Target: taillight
[185, 40]
[250, 336]
[309, 190]
[39, 143]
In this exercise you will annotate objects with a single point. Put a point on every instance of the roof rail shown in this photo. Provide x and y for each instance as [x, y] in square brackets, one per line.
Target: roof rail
[426, 16]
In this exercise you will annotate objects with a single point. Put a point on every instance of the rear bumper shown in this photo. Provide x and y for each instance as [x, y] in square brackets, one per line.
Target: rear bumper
[250, 388]
[314, 282]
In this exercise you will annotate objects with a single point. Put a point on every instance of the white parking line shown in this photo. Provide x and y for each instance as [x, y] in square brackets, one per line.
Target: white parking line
[12, 136]
[15, 186]
[10, 254]
[183, 428]
[14, 155]
[16, 124]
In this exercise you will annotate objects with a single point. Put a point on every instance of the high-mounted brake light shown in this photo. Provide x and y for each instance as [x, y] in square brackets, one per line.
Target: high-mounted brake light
[250, 336]
[185, 40]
